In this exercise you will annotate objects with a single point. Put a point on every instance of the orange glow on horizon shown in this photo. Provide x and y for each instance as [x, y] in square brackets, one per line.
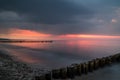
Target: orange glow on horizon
[97, 36]
[20, 32]
[32, 34]
[90, 36]
[26, 34]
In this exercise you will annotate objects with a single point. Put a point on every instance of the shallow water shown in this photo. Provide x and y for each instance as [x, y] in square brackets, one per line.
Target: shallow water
[62, 53]
[66, 52]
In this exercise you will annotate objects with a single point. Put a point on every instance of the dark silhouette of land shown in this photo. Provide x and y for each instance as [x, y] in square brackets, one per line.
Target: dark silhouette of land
[3, 40]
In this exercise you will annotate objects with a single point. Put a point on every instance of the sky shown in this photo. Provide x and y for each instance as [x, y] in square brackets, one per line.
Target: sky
[59, 19]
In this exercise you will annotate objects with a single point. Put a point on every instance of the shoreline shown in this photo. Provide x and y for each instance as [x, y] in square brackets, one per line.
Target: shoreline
[25, 71]
[13, 69]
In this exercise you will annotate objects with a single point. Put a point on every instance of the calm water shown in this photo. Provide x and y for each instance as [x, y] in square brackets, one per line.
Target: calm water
[62, 53]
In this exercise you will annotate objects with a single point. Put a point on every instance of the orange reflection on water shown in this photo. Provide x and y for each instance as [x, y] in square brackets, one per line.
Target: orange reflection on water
[84, 44]
[29, 59]
[39, 46]
[91, 44]
[22, 56]
[29, 45]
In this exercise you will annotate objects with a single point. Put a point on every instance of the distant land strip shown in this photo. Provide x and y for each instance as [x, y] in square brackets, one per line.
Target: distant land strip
[22, 41]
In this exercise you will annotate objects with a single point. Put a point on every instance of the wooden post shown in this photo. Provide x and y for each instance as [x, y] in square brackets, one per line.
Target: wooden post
[84, 67]
[70, 72]
[102, 62]
[63, 73]
[90, 66]
[96, 63]
[113, 59]
[78, 71]
[108, 60]
[118, 57]
[56, 74]
[48, 76]
[40, 77]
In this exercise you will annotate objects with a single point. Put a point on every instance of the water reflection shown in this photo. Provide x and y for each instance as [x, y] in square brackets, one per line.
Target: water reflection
[63, 53]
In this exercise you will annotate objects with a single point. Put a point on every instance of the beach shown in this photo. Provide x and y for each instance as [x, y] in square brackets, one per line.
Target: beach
[12, 69]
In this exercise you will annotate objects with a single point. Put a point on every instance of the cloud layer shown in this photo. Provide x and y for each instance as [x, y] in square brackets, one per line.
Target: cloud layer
[60, 17]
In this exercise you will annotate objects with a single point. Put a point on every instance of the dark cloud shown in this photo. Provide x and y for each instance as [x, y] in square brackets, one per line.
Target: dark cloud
[45, 11]
[67, 28]
[59, 16]
[57, 29]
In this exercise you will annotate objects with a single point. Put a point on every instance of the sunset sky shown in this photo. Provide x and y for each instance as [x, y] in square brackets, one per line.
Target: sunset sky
[59, 19]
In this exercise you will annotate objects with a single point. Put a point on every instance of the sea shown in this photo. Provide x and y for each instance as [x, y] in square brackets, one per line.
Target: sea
[62, 53]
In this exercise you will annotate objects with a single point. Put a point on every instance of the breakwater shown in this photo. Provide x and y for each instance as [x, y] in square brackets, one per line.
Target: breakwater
[74, 70]
[25, 41]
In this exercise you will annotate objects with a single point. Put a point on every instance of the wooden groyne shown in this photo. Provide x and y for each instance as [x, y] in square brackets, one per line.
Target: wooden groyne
[79, 69]
[25, 41]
